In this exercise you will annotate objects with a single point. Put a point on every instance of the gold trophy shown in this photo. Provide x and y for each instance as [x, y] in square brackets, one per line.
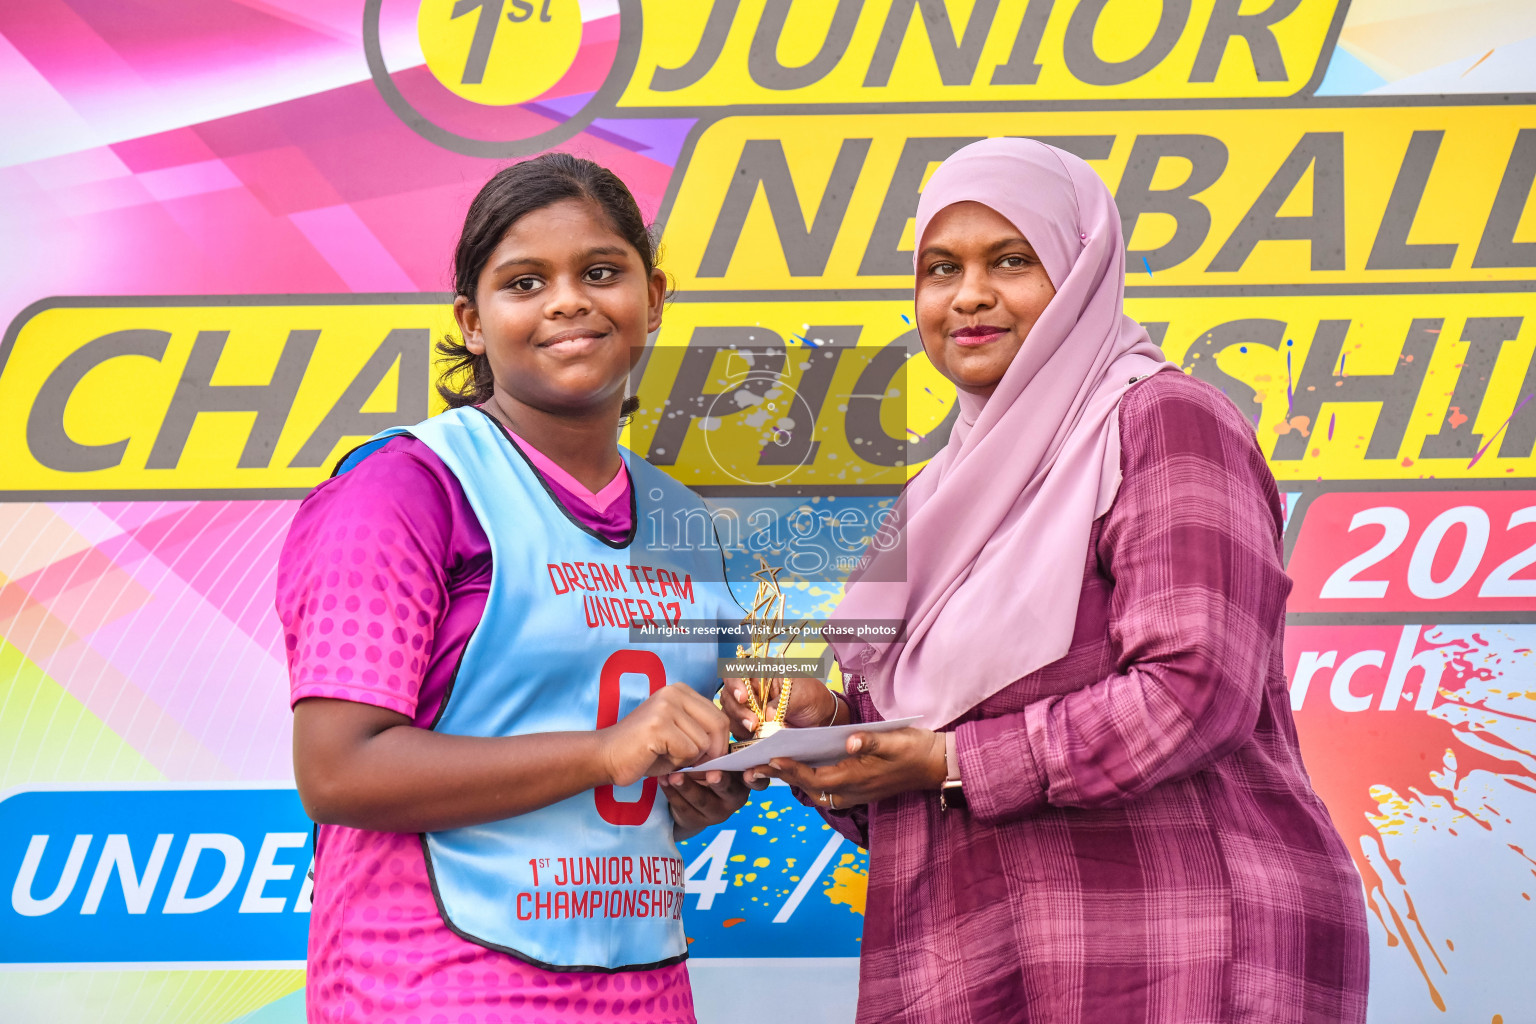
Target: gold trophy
[765, 624]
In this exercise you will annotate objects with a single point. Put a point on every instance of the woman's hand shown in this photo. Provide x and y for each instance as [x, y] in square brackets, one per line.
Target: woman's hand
[699, 800]
[674, 728]
[880, 764]
[811, 703]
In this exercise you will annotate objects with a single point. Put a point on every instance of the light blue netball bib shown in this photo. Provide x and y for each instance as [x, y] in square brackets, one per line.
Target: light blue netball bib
[593, 882]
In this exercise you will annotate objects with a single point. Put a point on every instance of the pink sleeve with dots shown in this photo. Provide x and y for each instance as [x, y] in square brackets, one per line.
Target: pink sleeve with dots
[363, 580]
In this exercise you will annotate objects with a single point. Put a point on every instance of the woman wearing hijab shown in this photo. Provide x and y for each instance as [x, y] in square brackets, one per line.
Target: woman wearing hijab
[1103, 816]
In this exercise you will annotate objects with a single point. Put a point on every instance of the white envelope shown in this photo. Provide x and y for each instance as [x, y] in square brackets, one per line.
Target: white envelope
[826, 745]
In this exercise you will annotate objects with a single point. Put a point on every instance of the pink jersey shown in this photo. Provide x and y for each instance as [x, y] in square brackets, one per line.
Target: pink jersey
[382, 580]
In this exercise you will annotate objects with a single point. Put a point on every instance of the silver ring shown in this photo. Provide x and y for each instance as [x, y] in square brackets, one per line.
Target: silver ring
[828, 800]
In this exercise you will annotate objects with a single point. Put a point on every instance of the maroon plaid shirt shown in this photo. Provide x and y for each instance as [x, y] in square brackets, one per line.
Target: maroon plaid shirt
[1142, 843]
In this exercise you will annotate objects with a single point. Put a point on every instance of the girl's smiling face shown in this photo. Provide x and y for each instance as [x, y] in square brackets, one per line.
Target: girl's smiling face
[980, 288]
[562, 310]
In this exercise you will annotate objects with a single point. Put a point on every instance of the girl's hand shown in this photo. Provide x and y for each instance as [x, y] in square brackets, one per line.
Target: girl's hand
[811, 703]
[880, 764]
[674, 728]
[699, 800]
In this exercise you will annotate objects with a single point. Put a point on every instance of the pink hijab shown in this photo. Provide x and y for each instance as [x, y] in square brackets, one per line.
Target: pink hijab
[997, 524]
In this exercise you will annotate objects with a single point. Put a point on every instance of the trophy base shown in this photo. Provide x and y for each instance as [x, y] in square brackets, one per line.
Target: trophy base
[763, 732]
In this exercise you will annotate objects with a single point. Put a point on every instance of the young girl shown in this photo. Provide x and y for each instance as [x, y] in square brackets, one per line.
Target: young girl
[462, 730]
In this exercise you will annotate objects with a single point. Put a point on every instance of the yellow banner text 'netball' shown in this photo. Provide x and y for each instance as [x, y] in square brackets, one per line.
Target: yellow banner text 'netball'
[1210, 198]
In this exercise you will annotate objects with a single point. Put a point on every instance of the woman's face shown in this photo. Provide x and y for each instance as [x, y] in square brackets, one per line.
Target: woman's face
[980, 288]
[562, 310]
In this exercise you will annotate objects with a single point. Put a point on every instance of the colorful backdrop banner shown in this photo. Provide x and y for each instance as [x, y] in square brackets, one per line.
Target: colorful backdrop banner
[230, 225]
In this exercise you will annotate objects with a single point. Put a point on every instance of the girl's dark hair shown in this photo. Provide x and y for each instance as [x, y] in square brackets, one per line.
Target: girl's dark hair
[511, 194]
